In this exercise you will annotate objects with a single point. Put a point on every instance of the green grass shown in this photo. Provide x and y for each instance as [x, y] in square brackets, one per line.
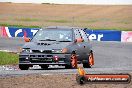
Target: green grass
[26, 19]
[65, 21]
[90, 21]
[8, 58]
[15, 25]
[58, 21]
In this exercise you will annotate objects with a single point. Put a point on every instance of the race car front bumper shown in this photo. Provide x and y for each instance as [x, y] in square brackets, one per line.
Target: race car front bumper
[44, 59]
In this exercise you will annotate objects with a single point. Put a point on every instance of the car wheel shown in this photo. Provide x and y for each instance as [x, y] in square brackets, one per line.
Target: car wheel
[24, 67]
[90, 61]
[44, 66]
[91, 58]
[74, 61]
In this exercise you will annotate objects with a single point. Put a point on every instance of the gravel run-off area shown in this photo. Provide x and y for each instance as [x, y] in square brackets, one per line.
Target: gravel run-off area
[52, 81]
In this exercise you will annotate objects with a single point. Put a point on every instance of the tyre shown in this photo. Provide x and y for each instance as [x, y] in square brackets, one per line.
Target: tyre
[44, 66]
[23, 67]
[73, 62]
[90, 62]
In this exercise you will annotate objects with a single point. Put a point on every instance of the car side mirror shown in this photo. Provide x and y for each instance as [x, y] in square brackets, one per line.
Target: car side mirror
[79, 40]
[26, 39]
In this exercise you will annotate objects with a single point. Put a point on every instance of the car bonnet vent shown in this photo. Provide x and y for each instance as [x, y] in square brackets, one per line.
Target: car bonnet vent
[46, 44]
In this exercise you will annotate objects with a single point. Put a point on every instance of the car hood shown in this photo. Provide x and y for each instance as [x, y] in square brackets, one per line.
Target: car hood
[46, 45]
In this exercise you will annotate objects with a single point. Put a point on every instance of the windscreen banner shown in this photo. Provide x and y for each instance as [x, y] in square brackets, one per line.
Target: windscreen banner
[126, 36]
[104, 35]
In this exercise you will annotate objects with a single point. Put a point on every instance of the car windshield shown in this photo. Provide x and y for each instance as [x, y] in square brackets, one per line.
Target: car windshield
[53, 35]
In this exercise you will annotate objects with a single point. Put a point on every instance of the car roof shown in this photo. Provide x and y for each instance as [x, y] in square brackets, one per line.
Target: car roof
[61, 27]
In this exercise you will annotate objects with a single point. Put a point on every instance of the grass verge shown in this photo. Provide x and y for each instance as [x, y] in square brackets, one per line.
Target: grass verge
[64, 21]
[26, 19]
[58, 21]
[8, 58]
[15, 25]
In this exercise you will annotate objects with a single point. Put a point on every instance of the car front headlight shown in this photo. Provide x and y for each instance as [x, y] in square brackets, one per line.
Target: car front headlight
[64, 50]
[26, 50]
[56, 51]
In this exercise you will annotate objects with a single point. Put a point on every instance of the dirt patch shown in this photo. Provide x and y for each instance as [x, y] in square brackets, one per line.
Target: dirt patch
[92, 16]
[52, 81]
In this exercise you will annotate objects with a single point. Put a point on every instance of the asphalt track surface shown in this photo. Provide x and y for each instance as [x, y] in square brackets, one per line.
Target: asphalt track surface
[110, 57]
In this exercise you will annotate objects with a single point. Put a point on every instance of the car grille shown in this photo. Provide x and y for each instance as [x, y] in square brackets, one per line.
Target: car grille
[41, 58]
[38, 51]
